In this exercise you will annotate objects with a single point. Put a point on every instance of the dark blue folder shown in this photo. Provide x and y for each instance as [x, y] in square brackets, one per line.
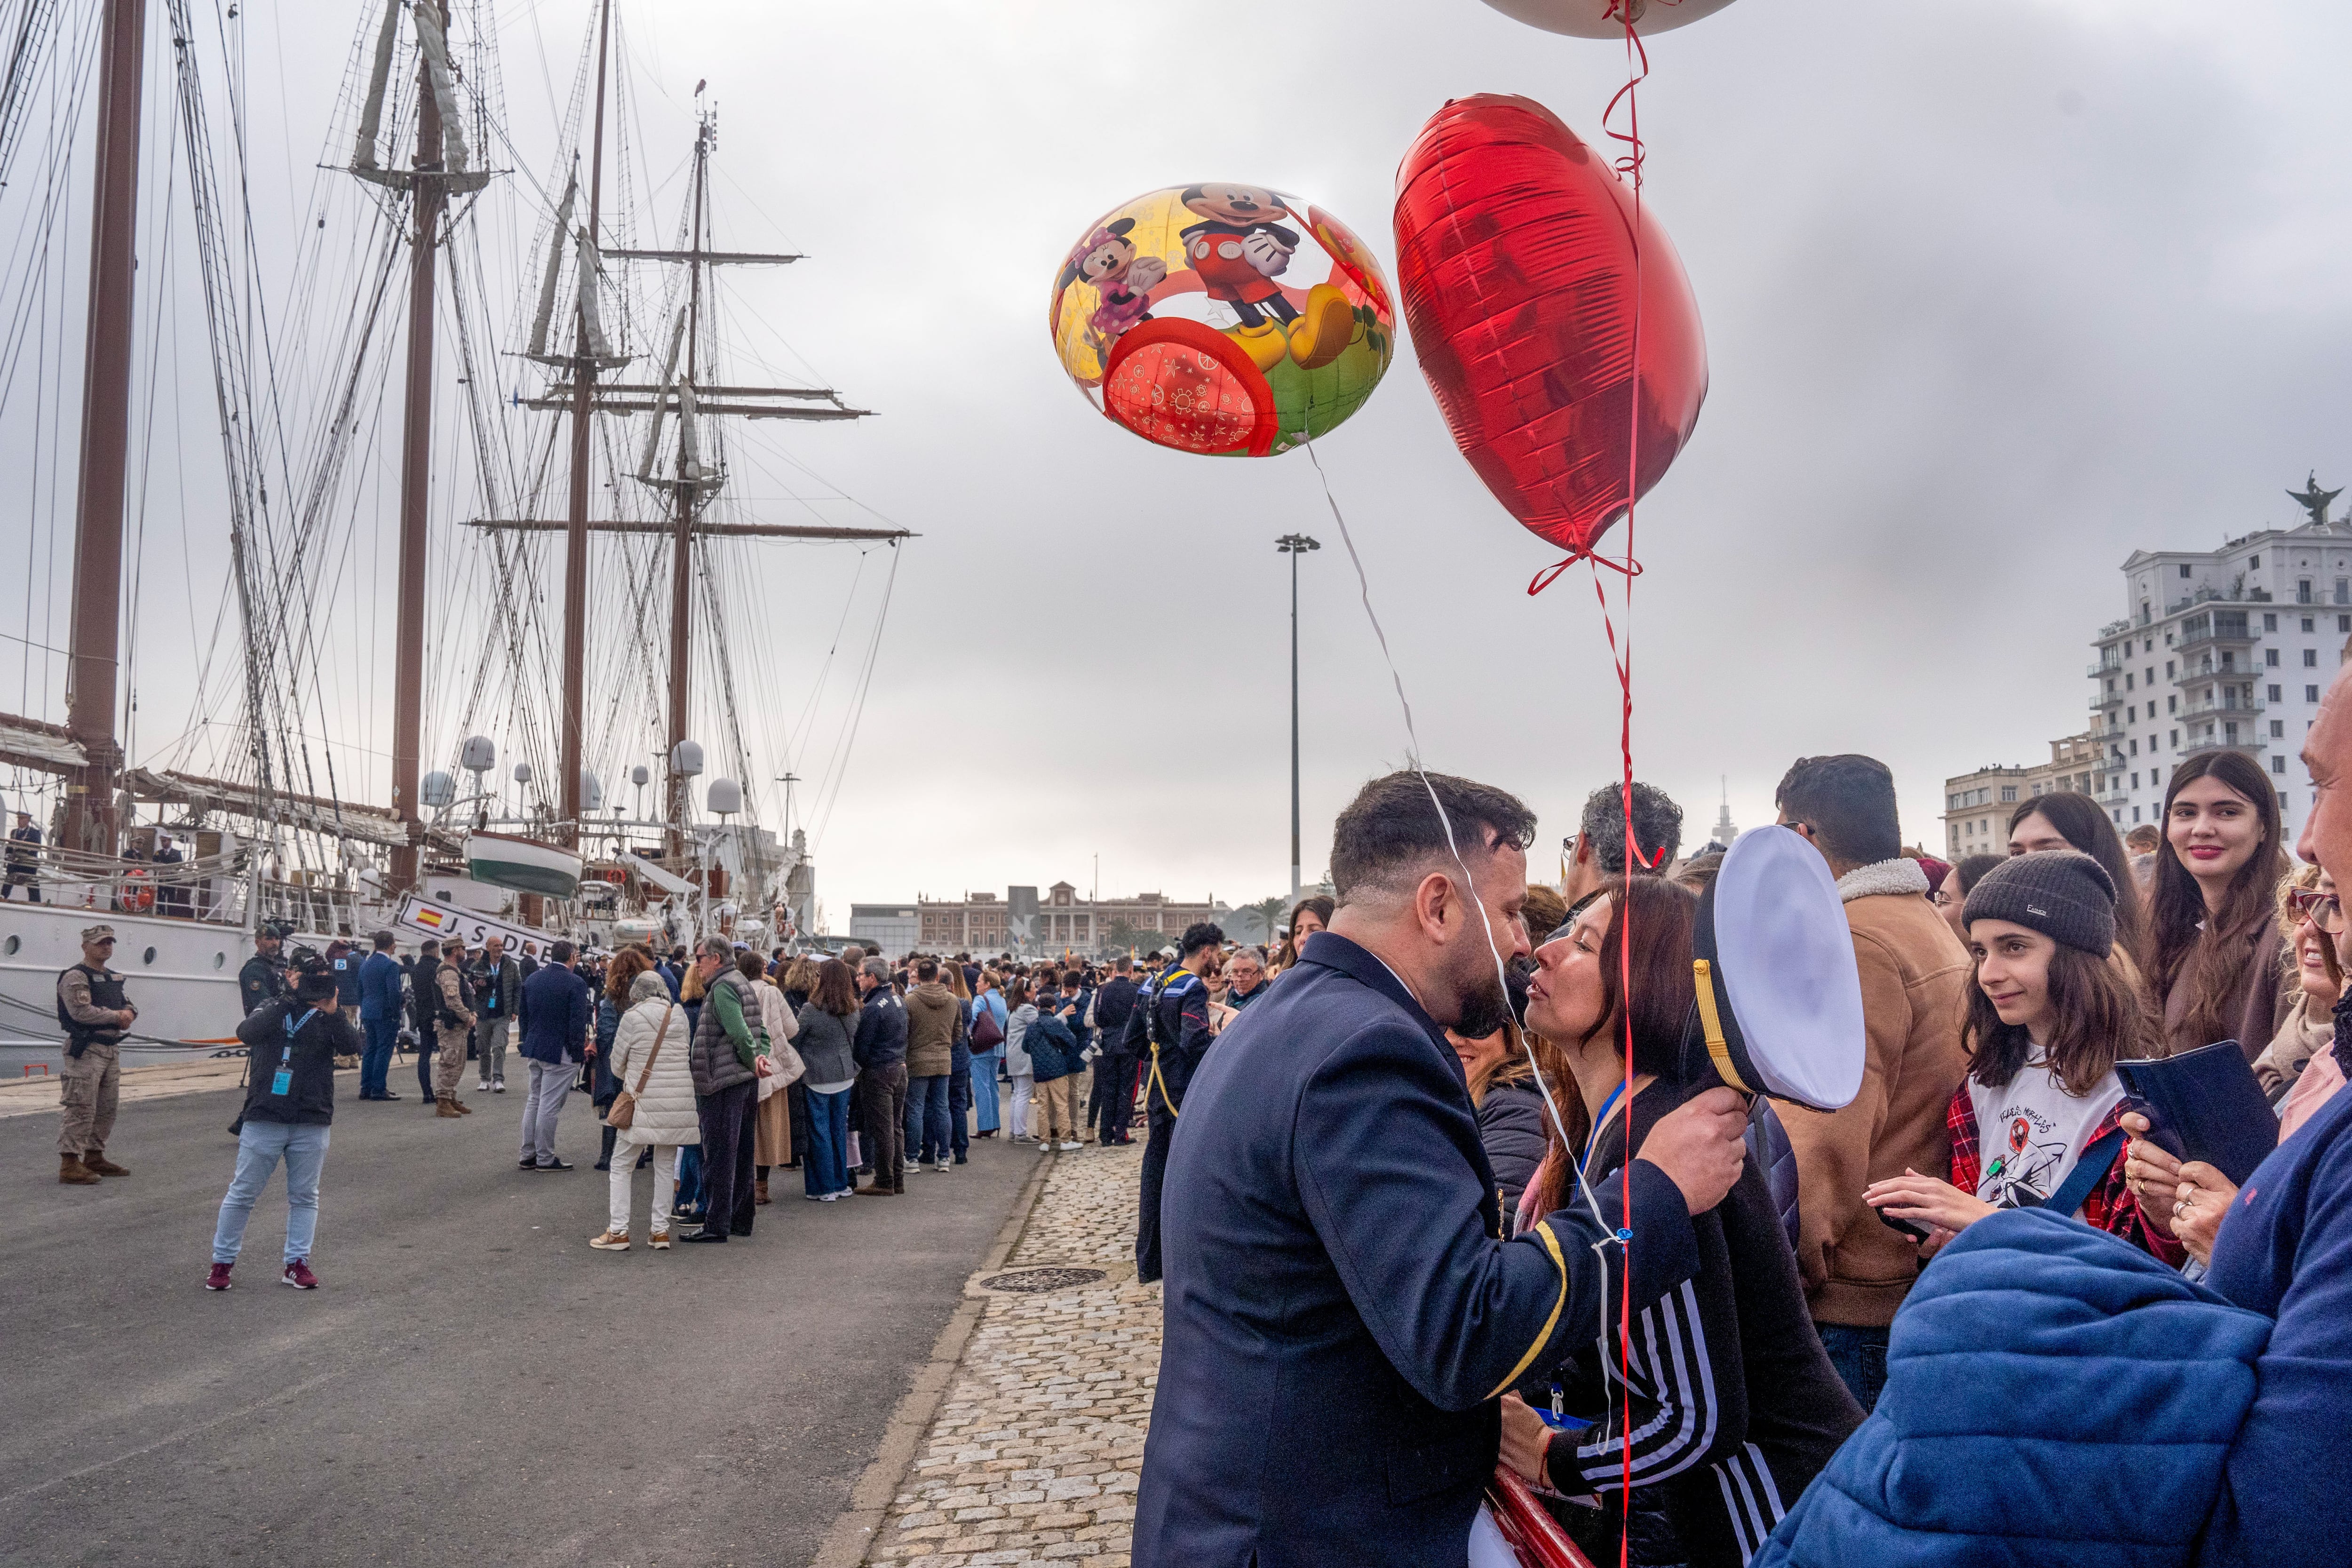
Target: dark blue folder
[2205, 1105]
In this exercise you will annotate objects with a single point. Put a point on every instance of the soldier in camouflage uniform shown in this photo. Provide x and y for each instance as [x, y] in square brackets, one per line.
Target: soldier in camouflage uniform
[94, 1012]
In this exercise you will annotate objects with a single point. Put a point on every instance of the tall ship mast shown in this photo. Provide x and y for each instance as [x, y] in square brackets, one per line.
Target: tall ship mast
[265, 806]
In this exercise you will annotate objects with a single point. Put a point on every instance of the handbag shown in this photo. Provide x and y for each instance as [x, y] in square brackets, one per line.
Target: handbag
[986, 1035]
[625, 1104]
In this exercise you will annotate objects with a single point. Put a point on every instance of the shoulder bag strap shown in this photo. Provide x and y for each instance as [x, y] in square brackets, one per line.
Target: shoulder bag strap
[652, 1055]
[2088, 1173]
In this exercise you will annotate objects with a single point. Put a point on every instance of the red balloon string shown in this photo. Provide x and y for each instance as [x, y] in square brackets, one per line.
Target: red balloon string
[1637, 67]
[1545, 578]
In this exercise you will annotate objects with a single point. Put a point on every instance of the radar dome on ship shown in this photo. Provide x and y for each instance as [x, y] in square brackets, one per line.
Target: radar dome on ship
[724, 796]
[591, 791]
[686, 758]
[480, 755]
[438, 790]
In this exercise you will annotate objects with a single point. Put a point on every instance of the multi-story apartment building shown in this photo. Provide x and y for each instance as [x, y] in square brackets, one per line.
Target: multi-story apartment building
[1977, 806]
[2228, 647]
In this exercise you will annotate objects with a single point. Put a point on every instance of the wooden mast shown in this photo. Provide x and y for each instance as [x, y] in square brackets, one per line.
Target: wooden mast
[91, 818]
[430, 195]
[575, 559]
[681, 586]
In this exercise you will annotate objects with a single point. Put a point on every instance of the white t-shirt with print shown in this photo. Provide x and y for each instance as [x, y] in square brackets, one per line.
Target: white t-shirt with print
[2030, 1133]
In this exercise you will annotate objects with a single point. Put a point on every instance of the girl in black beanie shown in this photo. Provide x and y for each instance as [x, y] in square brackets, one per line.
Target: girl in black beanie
[2047, 1019]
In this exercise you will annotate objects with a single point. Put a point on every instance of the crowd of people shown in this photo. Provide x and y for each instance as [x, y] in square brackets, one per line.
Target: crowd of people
[1998, 995]
[713, 1067]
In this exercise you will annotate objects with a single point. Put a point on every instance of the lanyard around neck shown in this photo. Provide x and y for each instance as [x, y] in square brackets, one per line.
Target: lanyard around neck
[1601, 1123]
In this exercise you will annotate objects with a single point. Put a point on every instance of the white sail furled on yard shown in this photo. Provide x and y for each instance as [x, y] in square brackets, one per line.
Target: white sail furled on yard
[546, 312]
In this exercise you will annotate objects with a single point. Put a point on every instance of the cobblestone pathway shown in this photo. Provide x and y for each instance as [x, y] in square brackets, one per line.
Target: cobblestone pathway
[1034, 1452]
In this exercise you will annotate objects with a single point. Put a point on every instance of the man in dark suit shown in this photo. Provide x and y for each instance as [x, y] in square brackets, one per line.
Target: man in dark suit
[1340, 1311]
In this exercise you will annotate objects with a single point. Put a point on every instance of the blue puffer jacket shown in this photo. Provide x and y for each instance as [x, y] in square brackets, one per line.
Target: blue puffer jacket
[2054, 1396]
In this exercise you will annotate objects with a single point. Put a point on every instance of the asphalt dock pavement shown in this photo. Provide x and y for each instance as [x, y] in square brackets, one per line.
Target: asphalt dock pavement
[473, 1383]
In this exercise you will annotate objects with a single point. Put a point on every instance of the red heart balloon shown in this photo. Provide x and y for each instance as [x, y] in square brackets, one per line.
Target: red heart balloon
[1515, 249]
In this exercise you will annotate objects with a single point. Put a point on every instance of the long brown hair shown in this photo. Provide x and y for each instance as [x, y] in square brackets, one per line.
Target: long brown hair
[622, 972]
[2082, 823]
[836, 992]
[2099, 1020]
[2179, 927]
[1323, 907]
[1660, 913]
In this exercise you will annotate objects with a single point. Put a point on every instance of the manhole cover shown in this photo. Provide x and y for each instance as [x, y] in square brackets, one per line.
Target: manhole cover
[1031, 1279]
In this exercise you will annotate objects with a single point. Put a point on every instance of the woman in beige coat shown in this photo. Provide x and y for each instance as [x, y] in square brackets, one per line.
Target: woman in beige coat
[649, 1058]
[771, 1124]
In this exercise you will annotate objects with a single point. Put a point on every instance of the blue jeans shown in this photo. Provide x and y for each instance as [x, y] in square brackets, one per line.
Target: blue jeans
[689, 1178]
[375, 1061]
[827, 1169]
[927, 1119]
[1860, 1357]
[258, 1149]
[959, 1103]
[984, 1088]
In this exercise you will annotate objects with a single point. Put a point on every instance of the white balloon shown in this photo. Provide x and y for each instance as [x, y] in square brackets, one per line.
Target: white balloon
[1602, 18]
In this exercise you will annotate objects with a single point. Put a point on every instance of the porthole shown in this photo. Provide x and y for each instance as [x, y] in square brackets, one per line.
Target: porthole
[220, 960]
[11, 945]
[148, 956]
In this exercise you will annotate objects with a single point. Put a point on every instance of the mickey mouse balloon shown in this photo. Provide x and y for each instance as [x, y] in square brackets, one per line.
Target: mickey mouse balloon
[1223, 319]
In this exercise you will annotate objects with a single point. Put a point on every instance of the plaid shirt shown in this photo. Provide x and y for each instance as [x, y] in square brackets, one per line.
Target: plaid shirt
[2112, 1206]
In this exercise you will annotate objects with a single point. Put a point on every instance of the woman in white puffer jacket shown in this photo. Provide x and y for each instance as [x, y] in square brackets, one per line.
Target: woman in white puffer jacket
[665, 1113]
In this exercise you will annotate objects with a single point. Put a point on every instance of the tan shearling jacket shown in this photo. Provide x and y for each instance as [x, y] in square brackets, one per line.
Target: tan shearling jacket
[1914, 975]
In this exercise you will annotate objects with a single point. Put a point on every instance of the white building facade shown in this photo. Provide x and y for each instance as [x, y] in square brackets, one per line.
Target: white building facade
[2228, 647]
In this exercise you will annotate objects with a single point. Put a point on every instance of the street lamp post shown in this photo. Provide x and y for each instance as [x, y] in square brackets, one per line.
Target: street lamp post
[1294, 545]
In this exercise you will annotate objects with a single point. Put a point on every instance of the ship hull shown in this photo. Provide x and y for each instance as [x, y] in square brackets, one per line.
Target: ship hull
[180, 973]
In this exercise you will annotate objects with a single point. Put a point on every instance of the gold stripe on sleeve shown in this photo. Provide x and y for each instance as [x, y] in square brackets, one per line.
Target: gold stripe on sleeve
[1551, 1244]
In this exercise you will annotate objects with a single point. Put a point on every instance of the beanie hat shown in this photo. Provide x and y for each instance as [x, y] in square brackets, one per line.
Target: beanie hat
[2063, 893]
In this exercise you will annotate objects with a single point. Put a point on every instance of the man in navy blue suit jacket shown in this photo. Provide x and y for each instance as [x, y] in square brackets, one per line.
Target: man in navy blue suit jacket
[1341, 1311]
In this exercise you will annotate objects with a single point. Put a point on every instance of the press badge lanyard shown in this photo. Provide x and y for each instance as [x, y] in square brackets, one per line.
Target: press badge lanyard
[1599, 1124]
[283, 1081]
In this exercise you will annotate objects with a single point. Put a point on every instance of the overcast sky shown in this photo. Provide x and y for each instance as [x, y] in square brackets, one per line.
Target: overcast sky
[1994, 293]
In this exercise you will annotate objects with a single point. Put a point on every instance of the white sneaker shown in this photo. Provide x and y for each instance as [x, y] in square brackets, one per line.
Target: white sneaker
[942, 1167]
[483, 1087]
[1045, 1145]
[1069, 1146]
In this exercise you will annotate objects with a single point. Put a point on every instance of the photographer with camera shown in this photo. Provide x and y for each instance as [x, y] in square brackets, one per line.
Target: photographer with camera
[263, 978]
[289, 1100]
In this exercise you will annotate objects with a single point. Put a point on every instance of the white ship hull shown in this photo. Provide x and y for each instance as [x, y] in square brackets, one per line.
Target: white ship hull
[180, 975]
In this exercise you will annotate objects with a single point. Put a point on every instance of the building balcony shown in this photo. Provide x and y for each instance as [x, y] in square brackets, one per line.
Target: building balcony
[2249, 708]
[2231, 672]
[2101, 697]
[2252, 745]
[2112, 795]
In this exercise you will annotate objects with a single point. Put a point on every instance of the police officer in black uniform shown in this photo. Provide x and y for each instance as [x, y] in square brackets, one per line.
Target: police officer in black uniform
[1168, 1032]
[263, 978]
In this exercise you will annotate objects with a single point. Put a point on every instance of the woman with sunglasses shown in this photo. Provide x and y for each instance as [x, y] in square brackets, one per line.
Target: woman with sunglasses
[2308, 913]
[1729, 1403]
[2187, 1199]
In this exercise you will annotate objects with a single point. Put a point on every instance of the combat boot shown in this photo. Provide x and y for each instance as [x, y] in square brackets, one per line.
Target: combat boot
[97, 1164]
[74, 1174]
[446, 1106]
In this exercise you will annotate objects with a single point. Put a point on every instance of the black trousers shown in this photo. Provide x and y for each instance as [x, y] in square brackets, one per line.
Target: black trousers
[796, 1105]
[883, 1139]
[726, 1119]
[958, 1106]
[425, 1049]
[1155, 1172]
[1111, 1107]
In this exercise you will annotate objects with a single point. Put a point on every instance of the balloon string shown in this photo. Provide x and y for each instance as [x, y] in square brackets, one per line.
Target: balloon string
[1544, 579]
[1637, 68]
